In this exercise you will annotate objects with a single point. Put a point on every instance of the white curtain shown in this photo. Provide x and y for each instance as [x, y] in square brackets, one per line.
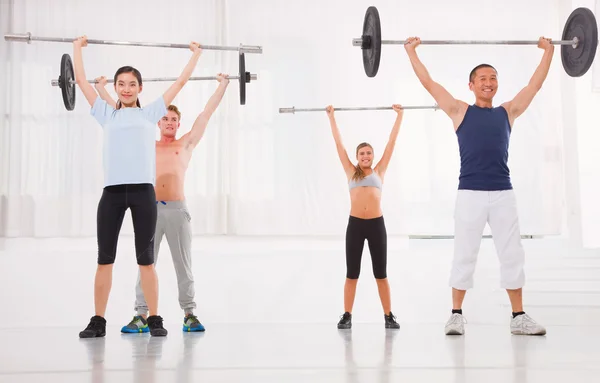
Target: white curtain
[258, 172]
[52, 158]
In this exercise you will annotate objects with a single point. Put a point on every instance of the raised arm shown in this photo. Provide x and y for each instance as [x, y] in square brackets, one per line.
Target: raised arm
[86, 87]
[103, 93]
[195, 135]
[523, 99]
[183, 78]
[382, 165]
[337, 137]
[455, 109]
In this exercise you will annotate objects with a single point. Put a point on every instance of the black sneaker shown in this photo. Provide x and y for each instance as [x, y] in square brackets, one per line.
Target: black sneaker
[345, 322]
[155, 323]
[96, 328]
[390, 321]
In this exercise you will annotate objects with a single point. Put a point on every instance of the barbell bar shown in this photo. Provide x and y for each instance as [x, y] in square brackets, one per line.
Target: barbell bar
[578, 42]
[358, 42]
[248, 77]
[354, 108]
[66, 80]
[28, 38]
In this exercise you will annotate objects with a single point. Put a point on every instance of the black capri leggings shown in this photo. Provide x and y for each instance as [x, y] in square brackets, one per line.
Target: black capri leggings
[373, 230]
[113, 204]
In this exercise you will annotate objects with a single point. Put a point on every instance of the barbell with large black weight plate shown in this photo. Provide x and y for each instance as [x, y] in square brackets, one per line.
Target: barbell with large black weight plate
[66, 80]
[578, 44]
[67, 86]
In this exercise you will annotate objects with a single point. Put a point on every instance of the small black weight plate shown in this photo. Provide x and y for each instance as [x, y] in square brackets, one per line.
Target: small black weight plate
[371, 36]
[242, 80]
[581, 24]
[66, 81]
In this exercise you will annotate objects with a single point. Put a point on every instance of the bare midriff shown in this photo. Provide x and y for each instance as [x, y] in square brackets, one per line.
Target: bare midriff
[365, 202]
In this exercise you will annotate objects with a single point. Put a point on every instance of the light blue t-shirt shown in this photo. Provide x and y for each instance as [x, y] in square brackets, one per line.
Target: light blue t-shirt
[129, 153]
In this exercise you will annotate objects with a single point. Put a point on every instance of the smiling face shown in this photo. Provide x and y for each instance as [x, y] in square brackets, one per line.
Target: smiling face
[364, 155]
[483, 82]
[128, 86]
[127, 89]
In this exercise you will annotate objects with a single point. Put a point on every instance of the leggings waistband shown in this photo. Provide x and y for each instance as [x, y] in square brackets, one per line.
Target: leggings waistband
[353, 218]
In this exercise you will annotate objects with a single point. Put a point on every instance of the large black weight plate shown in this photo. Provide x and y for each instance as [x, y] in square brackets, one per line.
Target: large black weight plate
[581, 24]
[371, 46]
[242, 79]
[66, 81]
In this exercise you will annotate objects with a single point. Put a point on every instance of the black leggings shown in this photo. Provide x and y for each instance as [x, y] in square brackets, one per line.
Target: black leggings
[373, 230]
[113, 204]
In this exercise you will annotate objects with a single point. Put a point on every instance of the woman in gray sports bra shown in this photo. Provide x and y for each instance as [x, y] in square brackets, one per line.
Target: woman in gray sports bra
[366, 218]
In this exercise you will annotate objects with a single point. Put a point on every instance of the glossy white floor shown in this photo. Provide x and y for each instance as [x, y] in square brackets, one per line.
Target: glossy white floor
[270, 307]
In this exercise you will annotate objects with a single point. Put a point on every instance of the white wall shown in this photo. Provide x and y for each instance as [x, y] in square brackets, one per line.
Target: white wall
[581, 100]
[260, 173]
[4, 153]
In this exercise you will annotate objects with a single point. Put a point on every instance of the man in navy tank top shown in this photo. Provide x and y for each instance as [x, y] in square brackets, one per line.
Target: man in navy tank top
[485, 193]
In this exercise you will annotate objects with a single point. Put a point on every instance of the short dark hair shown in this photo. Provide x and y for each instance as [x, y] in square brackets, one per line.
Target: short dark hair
[472, 74]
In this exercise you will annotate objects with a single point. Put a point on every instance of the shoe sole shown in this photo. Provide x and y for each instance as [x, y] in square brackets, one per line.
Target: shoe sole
[454, 332]
[139, 331]
[344, 327]
[93, 336]
[541, 333]
[190, 329]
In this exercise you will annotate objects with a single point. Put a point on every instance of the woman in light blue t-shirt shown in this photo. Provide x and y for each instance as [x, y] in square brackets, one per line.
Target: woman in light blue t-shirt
[129, 177]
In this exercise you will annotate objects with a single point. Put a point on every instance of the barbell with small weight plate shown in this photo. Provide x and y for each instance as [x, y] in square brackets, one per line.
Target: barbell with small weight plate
[354, 108]
[578, 44]
[66, 80]
[28, 38]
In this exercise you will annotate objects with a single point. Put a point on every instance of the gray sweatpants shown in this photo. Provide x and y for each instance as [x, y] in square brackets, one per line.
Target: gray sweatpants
[173, 221]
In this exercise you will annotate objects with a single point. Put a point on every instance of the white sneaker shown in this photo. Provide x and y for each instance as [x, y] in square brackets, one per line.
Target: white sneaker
[524, 325]
[456, 325]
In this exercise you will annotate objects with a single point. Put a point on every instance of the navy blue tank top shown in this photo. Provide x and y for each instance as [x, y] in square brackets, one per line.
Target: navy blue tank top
[483, 138]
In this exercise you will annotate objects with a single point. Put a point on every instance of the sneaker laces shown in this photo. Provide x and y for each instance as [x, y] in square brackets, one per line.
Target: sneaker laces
[156, 321]
[135, 319]
[457, 318]
[526, 320]
[93, 325]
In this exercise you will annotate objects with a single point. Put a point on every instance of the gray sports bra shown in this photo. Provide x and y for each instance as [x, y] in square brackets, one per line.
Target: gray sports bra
[372, 179]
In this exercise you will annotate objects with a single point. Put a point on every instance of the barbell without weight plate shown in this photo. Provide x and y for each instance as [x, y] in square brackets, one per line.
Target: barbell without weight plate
[28, 38]
[66, 80]
[578, 44]
[293, 109]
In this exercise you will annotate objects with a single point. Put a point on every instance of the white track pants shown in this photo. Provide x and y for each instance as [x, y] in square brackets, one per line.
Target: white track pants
[473, 210]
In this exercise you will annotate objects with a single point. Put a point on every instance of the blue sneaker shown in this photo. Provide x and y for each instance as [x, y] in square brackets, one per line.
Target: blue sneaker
[137, 325]
[191, 323]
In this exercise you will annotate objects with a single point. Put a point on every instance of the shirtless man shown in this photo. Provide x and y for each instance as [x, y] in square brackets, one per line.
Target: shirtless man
[172, 159]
